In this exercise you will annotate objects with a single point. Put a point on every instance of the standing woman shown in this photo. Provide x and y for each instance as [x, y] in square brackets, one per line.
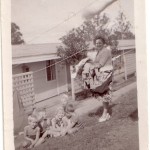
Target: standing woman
[97, 73]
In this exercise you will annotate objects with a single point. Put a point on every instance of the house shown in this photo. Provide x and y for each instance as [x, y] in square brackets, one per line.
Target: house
[127, 51]
[35, 59]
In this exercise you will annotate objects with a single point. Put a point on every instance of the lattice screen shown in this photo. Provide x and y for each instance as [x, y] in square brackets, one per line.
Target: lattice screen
[23, 84]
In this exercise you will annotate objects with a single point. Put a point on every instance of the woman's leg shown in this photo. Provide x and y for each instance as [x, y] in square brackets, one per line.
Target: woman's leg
[105, 106]
[106, 100]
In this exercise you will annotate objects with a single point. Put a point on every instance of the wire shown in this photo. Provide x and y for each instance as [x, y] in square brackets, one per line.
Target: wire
[126, 15]
[74, 14]
[58, 61]
[68, 58]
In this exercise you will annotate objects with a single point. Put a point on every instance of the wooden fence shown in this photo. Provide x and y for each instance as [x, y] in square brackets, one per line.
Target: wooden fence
[23, 85]
[129, 63]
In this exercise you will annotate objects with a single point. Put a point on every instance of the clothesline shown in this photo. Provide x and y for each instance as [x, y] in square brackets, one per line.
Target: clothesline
[70, 57]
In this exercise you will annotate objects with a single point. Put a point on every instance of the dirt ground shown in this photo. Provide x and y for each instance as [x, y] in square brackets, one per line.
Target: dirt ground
[119, 133]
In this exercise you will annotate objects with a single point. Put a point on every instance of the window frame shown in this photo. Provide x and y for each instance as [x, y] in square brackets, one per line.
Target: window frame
[50, 71]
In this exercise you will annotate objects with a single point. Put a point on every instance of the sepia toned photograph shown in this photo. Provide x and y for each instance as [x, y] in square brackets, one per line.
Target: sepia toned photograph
[74, 76]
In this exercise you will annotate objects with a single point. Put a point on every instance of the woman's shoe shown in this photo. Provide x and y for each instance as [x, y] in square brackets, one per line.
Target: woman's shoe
[104, 118]
[108, 116]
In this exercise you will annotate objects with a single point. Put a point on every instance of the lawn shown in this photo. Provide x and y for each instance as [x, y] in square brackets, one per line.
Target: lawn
[119, 133]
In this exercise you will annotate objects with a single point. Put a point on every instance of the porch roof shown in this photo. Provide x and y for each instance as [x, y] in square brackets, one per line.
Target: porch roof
[34, 52]
[126, 44]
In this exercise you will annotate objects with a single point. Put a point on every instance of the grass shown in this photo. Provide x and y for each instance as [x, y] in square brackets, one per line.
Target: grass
[119, 133]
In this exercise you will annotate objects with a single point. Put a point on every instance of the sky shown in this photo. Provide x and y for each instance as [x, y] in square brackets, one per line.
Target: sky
[36, 18]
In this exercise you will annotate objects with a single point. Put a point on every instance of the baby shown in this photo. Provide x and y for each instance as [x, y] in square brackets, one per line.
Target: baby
[31, 133]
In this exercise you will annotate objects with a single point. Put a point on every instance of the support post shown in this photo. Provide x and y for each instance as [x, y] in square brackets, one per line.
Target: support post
[125, 67]
[57, 78]
[72, 84]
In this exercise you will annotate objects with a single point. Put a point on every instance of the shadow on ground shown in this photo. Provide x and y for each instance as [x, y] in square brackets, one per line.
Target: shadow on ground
[99, 111]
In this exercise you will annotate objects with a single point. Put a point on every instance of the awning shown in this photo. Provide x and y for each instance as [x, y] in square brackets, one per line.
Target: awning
[30, 59]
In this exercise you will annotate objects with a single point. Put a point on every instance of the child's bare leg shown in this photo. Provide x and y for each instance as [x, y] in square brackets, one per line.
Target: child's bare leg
[26, 144]
[64, 132]
[73, 130]
[53, 129]
[54, 132]
[42, 139]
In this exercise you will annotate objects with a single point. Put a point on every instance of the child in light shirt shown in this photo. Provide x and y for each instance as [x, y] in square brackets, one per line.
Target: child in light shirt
[31, 133]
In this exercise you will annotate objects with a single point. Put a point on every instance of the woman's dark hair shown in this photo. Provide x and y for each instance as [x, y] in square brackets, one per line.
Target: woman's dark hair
[99, 38]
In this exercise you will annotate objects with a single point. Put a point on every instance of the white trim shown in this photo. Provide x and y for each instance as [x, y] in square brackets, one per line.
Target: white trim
[21, 60]
[126, 48]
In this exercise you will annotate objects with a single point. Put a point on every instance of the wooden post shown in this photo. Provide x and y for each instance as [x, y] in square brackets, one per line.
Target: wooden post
[57, 82]
[65, 67]
[72, 84]
[72, 89]
[125, 67]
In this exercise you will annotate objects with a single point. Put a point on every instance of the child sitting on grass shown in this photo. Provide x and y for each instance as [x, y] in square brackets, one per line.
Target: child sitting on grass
[42, 120]
[72, 119]
[31, 133]
[64, 101]
[57, 121]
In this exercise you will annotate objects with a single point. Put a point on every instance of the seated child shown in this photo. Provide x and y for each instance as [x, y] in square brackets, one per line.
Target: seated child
[42, 120]
[64, 101]
[45, 122]
[31, 133]
[57, 121]
[73, 123]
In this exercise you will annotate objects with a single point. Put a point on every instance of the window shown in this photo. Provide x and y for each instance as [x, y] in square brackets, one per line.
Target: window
[51, 71]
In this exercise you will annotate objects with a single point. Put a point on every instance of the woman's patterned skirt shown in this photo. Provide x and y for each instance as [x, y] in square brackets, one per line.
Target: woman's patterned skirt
[98, 82]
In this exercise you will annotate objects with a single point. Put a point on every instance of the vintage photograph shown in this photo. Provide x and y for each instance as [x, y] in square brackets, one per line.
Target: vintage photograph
[74, 78]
